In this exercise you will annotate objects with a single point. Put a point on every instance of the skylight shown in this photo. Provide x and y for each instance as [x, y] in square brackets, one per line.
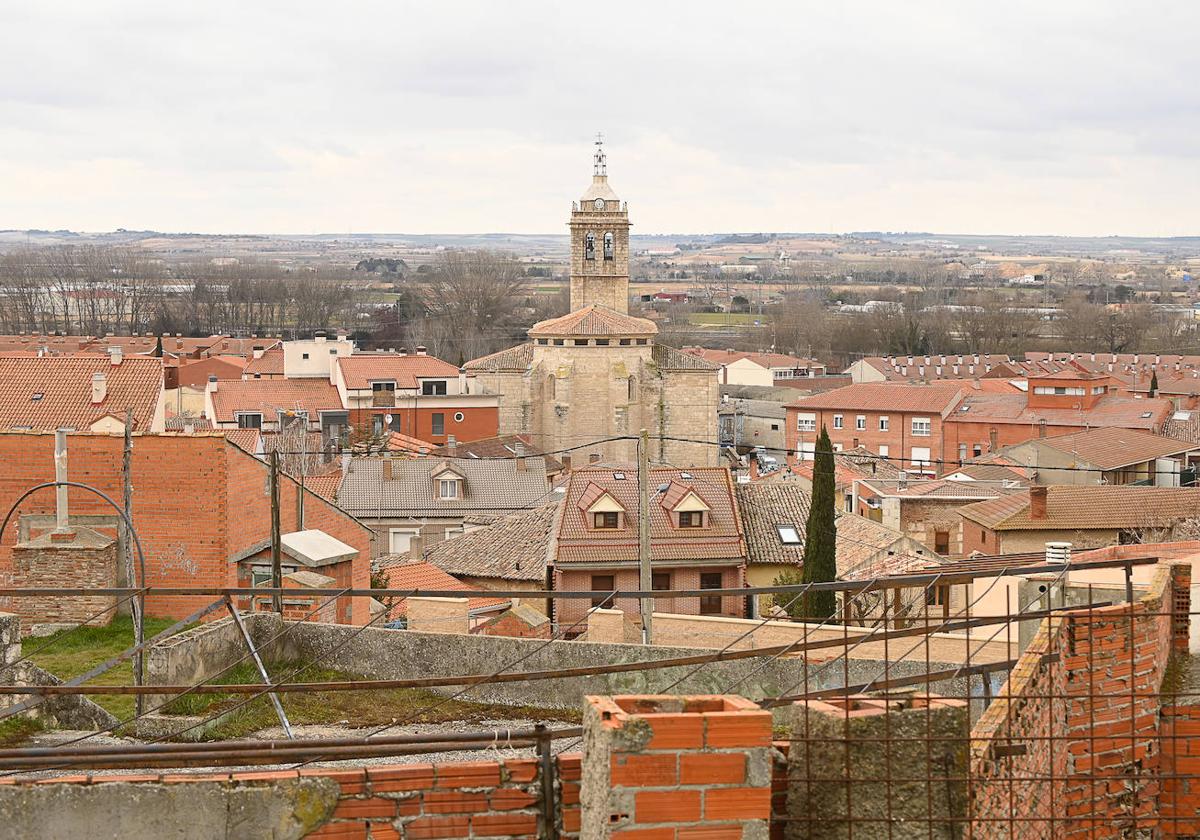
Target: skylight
[1146, 415]
[37, 397]
[788, 535]
[686, 476]
[619, 476]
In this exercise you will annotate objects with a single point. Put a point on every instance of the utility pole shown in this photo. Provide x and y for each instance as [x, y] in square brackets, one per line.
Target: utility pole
[137, 608]
[646, 577]
[276, 569]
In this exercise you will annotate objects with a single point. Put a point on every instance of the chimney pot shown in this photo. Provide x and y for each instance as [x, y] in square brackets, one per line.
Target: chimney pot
[115, 355]
[451, 442]
[1037, 502]
[99, 388]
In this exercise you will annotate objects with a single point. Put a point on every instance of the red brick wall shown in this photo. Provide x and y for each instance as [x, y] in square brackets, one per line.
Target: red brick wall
[196, 501]
[898, 438]
[569, 611]
[194, 374]
[958, 431]
[508, 624]
[1180, 800]
[975, 537]
[1081, 710]
[477, 423]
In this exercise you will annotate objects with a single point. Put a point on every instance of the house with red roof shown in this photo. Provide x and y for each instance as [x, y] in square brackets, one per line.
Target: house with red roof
[82, 392]
[416, 395]
[744, 367]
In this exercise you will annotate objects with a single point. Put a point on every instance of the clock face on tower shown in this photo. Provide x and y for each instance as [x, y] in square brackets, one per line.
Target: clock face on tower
[599, 204]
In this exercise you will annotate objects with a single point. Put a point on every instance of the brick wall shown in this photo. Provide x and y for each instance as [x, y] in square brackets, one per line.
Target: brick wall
[1072, 747]
[82, 556]
[898, 438]
[571, 610]
[1180, 799]
[196, 501]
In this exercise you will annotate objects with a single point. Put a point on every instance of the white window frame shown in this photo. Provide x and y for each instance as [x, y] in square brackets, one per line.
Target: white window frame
[451, 483]
[394, 532]
[883, 422]
[806, 451]
[860, 423]
[806, 422]
[238, 415]
[838, 421]
[923, 462]
[883, 451]
[922, 427]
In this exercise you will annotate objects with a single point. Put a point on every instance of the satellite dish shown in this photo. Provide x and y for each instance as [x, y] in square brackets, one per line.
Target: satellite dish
[387, 419]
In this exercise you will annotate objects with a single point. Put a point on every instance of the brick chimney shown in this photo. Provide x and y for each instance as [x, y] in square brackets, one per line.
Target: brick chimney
[416, 547]
[387, 469]
[99, 388]
[993, 439]
[1037, 502]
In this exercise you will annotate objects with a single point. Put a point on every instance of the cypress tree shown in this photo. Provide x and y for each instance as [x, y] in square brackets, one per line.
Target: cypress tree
[820, 560]
[1154, 384]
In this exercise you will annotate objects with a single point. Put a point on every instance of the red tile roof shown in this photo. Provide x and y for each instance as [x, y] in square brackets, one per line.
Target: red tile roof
[579, 543]
[767, 360]
[1086, 507]
[883, 396]
[400, 442]
[594, 320]
[270, 363]
[359, 371]
[56, 391]
[404, 573]
[1111, 448]
[1109, 410]
[271, 395]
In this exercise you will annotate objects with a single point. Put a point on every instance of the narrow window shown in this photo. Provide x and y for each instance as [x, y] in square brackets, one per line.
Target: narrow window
[608, 246]
[589, 246]
[439, 423]
[710, 604]
[448, 488]
[603, 583]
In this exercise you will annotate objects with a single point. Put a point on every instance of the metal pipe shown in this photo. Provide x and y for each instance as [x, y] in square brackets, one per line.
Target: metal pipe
[60, 477]
[262, 669]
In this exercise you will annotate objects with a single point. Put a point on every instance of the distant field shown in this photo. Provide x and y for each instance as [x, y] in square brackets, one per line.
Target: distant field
[721, 318]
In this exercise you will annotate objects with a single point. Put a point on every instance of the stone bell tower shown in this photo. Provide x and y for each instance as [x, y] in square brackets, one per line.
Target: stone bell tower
[600, 243]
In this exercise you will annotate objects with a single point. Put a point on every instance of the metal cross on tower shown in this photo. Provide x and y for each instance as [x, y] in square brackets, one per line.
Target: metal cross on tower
[600, 164]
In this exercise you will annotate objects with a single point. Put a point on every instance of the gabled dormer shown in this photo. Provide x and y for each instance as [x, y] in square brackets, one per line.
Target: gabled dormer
[601, 510]
[448, 483]
[685, 508]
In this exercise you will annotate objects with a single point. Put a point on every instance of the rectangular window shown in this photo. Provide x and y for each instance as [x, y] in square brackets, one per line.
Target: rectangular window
[883, 451]
[788, 534]
[941, 542]
[248, 420]
[806, 450]
[920, 457]
[962, 452]
[922, 427]
[977, 449]
[660, 581]
[399, 538]
[606, 521]
[436, 388]
[439, 423]
[710, 604]
[691, 519]
[883, 423]
[383, 394]
[447, 488]
[806, 422]
[837, 421]
[860, 422]
[454, 531]
[603, 583]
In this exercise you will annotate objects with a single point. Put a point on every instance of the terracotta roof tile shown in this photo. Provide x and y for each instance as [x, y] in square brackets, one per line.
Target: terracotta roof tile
[668, 358]
[594, 320]
[1110, 410]
[501, 446]
[883, 396]
[509, 548]
[270, 363]
[272, 395]
[1084, 507]
[511, 358]
[404, 573]
[496, 487]
[359, 371]
[1110, 448]
[766, 360]
[56, 391]
[577, 542]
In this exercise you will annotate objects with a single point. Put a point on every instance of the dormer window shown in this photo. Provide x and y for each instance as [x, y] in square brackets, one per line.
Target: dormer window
[448, 483]
[685, 508]
[691, 519]
[607, 520]
[448, 488]
[433, 388]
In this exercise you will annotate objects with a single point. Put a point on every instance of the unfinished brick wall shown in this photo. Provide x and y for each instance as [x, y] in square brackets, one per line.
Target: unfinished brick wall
[196, 500]
[1179, 803]
[1072, 747]
[675, 767]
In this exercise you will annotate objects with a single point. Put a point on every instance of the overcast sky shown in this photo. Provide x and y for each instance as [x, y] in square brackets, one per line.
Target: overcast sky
[1052, 116]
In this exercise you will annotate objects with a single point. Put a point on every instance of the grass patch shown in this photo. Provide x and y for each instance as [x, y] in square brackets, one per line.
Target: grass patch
[719, 318]
[71, 652]
[16, 730]
[358, 708]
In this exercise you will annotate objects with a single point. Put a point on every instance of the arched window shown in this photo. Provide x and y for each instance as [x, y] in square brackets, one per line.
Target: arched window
[589, 246]
[608, 245]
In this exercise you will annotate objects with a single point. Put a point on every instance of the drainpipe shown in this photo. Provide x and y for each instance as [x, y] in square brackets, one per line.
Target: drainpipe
[60, 474]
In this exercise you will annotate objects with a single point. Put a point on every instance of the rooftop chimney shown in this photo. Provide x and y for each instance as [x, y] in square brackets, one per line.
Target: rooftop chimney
[416, 547]
[212, 383]
[420, 350]
[99, 388]
[520, 450]
[1037, 502]
[1042, 427]
[115, 355]
[1058, 552]
[451, 443]
[387, 469]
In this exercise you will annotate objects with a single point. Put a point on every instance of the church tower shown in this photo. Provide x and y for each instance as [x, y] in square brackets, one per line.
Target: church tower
[600, 243]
